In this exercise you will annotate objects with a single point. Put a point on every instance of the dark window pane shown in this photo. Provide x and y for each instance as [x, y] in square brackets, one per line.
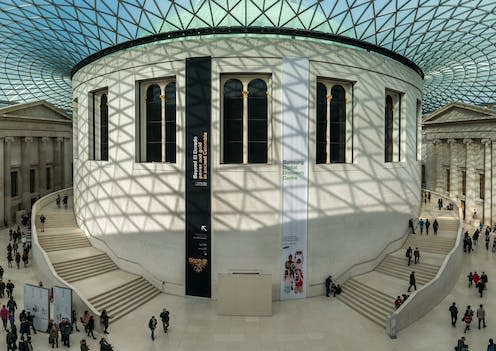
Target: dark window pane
[257, 121]
[338, 124]
[153, 124]
[13, 184]
[233, 122]
[170, 123]
[388, 150]
[32, 180]
[103, 128]
[321, 123]
[48, 178]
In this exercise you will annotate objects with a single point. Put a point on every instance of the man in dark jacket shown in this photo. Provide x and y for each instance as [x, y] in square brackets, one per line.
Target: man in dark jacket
[454, 314]
[164, 316]
[412, 281]
[328, 282]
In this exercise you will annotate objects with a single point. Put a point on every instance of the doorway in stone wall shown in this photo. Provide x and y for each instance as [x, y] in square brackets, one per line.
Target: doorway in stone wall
[463, 208]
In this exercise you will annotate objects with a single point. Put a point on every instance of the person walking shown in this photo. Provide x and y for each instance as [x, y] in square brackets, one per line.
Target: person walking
[74, 320]
[4, 315]
[152, 324]
[470, 277]
[164, 316]
[2, 288]
[484, 278]
[42, 221]
[481, 287]
[104, 318]
[435, 226]
[84, 320]
[1, 272]
[481, 316]
[10, 288]
[408, 254]
[454, 314]
[460, 345]
[54, 336]
[11, 340]
[476, 279]
[104, 345]
[412, 281]
[487, 239]
[10, 259]
[84, 345]
[475, 237]
[416, 254]
[467, 318]
[421, 225]
[427, 225]
[11, 305]
[57, 201]
[65, 200]
[491, 346]
[410, 226]
[91, 327]
[328, 282]
[18, 260]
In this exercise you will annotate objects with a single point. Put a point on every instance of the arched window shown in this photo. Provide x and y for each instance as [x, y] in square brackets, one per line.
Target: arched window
[103, 128]
[153, 124]
[388, 130]
[338, 124]
[321, 156]
[170, 122]
[233, 121]
[257, 121]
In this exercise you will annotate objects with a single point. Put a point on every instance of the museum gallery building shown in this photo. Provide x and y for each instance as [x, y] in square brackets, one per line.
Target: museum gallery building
[294, 157]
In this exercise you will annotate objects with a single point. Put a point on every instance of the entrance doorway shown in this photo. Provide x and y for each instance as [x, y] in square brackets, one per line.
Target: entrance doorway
[463, 208]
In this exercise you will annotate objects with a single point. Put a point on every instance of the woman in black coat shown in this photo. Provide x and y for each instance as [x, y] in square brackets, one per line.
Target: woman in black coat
[91, 326]
[104, 318]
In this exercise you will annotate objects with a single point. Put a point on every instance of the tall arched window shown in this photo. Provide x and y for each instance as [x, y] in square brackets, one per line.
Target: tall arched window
[170, 122]
[257, 121]
[153, 124]
[233, 121]
[321, 156]
[388, 130]
[103, 128]
[338, 124]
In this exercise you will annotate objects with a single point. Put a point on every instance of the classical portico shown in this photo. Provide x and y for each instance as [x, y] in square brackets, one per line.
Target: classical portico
[35, 155]
[459, 141]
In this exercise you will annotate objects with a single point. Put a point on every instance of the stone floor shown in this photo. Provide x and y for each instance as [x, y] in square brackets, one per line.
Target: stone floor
[310, 324]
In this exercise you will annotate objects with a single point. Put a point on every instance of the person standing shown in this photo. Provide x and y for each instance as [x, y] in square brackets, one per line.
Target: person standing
[74, 320]
[11, 340]
[487, 242]
[65, 200]
[84, 345]
[421, 225]
[412, 281]
[1, 272]
[408, 254]
[328, 282]
[427, 225]
[454, 314]
[104, 345]
[57, 201]
[30, 318]
[435, 226]
[54, 336]
[164, 316]
[42, 221]
[460, 345]
[416, 254]
[481, 316]
[104, 318]
[491, 346]
[429, 196]
[470, 277]
[410, 226]
[2, 288]
[152, 324]
[484, 278]
[481, 287]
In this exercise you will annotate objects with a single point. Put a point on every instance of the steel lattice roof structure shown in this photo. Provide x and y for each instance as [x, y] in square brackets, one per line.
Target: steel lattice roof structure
[452, 41]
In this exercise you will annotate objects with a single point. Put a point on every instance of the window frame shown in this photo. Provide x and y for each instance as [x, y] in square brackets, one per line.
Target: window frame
[246, 79]
[348, 87]
[95, 124]
[398, 123]
[14, 185]
[143, 86]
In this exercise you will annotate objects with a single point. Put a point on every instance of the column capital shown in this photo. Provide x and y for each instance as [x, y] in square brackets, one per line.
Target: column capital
[59, 139]
[44, 139]
[467, 141]
[9, 139]
[436, 141]
[451, 141]
[28, 139]
[486, 141]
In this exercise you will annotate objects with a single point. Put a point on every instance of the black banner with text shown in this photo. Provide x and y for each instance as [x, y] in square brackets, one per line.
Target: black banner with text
[198, 110]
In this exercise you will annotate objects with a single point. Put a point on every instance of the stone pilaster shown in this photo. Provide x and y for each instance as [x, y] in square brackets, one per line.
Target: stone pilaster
[25, 190]
[453, 168]
[2, 183]
[6, 172]
[438, 165]
[470, 199]
[67, 162]
[493, 182]
[488, 165]
[42, 152]
[57, 164]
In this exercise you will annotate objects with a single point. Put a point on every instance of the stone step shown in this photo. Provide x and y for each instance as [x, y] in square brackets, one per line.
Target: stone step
[421, 279]
[113, 300]
[103, 298]
[383, 301]
[403, 262]
[77, 266]
[126, 308]
[379, 318]
[91, 272]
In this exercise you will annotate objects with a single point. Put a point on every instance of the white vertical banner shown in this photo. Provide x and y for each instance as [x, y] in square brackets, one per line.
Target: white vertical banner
[62, 298]
[295, 90]
[36, 301]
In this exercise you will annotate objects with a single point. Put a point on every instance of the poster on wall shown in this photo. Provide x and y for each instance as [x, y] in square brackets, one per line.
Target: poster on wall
[62, 298]
[198, 197]
[36, 301]
[295, 88]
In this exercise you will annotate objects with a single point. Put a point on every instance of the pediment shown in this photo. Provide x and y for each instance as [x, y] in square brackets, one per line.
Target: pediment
[39, 109]
[458, 113]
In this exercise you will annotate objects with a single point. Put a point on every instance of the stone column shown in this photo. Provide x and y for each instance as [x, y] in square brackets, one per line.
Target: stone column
[453, 169]
[470, 181]
[6, 177]
[2, 184]
[67, 162]
[438, 165]
[488, 165]
[493, 182]
[42, 152]
[57, 164]
[25, 191]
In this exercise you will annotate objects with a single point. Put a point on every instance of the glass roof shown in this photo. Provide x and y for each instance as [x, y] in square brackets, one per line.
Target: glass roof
[453, 42]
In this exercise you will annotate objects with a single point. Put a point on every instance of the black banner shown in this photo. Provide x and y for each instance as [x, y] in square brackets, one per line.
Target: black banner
[198, 110]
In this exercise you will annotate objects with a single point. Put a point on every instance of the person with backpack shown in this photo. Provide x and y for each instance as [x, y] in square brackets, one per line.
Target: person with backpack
[152, 324]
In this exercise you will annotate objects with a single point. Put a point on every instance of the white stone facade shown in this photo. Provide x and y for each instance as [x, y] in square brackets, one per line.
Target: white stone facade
[459, 147]
[35, 153]
[354, 209]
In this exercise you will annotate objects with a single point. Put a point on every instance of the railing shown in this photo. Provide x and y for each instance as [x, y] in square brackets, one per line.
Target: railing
[430, 295]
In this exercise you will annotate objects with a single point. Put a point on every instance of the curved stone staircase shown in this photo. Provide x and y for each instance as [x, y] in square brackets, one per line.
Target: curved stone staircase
[88, 269]
[373, 294]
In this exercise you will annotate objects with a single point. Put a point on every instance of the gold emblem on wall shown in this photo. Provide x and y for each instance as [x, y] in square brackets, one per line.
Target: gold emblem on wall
[198, 264]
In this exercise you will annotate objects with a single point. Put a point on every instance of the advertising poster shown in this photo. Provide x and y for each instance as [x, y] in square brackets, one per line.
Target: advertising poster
[62, 298]
[198, 197]
[294, 178]
[36, 301]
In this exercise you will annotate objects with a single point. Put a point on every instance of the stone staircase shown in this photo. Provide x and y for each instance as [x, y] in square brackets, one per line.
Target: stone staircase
[91, 271]
[373, 294]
